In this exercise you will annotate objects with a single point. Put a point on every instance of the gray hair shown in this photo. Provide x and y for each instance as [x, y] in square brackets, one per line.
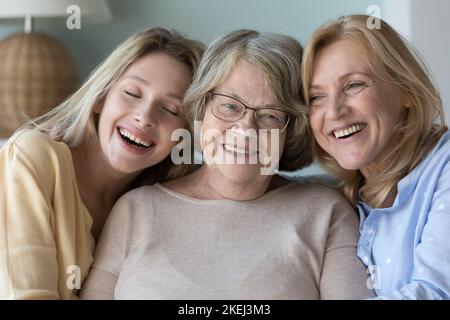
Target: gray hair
[279, 58]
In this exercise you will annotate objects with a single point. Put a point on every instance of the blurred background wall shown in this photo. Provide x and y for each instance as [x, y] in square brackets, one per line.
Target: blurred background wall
[425, 23]
[200, 19]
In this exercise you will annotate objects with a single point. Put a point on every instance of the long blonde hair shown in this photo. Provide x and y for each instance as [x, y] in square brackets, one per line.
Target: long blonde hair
[394, 61]
[74, 121]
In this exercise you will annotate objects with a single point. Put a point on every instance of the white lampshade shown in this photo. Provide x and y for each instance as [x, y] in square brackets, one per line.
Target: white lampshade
[92, 11]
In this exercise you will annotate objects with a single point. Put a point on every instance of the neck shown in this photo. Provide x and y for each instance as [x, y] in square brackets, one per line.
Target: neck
[207, 183]
[97, 178]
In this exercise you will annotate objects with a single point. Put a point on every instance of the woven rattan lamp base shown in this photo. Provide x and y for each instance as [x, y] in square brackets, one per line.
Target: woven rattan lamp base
[36, 74]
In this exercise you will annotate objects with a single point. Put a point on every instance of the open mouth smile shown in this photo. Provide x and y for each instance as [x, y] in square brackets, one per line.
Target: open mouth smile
[349, 131]
[238, 151]
[133, 141]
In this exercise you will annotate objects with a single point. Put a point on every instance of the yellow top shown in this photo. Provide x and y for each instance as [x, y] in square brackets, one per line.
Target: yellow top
[45, 239]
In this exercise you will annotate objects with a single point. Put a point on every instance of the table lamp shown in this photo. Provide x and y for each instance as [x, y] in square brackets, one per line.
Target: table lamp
[37, 72]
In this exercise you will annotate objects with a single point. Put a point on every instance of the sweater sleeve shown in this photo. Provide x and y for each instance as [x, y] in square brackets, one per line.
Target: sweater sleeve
[28, 259]
[343, 275]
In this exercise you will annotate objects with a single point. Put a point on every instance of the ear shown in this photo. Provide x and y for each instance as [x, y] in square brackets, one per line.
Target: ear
[98, 107]
[407, 101]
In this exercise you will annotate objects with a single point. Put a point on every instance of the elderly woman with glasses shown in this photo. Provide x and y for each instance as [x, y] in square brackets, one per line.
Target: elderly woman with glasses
[233, 229]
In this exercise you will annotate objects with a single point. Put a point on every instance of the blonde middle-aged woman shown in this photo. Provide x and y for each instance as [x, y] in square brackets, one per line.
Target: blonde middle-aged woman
[231, 230]
[379, 126]
[61, 174]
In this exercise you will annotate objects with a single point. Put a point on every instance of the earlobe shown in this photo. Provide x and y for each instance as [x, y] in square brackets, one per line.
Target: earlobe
[98, 108]
[407, 102]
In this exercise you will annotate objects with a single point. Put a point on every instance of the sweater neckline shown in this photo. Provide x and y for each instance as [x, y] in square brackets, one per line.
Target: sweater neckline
[220, 201]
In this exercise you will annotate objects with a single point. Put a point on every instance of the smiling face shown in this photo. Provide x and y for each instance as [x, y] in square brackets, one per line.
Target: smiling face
[140, 112]
[235, 145]
[353, 114]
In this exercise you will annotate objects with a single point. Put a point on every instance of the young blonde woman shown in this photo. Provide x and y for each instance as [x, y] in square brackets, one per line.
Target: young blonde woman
[61, 174]
[378, 123]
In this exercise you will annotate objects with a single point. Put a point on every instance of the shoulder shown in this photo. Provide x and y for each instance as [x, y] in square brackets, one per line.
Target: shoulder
[322, 213]
[312, 191]
[441, 152]
[133, 216]
[320, 204]
[434, 168]
[137, 196]
[36, 153]
[36, 146]
[30, 136]
[136, 202]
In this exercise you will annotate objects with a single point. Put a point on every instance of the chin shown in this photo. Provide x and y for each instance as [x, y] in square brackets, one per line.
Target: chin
[349, 165]
[124, 168]
[241, 173]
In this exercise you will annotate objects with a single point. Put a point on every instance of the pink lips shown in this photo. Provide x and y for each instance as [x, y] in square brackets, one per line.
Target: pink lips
[136, 133]
[131, 148]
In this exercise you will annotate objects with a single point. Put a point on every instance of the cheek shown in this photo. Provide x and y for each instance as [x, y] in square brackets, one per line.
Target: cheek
[166, 131]
[387, 113]
[112, 109]
[315, 122]
[212, 129]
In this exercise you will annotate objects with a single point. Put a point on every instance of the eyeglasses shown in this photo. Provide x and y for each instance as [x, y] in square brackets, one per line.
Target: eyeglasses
[229, 109]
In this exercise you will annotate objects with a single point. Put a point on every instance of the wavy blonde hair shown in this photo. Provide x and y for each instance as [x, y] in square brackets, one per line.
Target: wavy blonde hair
[74, 121]
[279, 58]
[394, 61]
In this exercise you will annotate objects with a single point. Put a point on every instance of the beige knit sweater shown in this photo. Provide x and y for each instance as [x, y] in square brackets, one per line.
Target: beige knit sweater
[295, 242]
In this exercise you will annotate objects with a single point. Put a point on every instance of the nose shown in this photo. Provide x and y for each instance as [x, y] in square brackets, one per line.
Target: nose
[145, 115]
[336, 107]
[247, 121]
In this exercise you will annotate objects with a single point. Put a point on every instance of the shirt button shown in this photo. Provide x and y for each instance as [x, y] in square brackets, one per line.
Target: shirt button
[365, 243]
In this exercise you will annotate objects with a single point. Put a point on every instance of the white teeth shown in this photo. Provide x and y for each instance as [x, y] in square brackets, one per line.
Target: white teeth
[232, 149]
[132, 137]
[350, 130]
[236, 150]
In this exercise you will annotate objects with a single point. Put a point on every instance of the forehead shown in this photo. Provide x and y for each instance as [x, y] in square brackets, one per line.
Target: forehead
[158, 69]
[248, 82]
[337, 60]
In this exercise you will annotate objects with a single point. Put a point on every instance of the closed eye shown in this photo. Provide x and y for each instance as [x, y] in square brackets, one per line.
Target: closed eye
[356, 87]
[133, 95]
[169, 110]
[314, 100]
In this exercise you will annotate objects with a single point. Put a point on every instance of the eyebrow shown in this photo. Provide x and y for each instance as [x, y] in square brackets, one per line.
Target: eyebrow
[343, 77]
[142, 80]
[236, 96]
[137, 78]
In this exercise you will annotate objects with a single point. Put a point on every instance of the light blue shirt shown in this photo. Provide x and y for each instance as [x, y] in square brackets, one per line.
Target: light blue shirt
[407, 247]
